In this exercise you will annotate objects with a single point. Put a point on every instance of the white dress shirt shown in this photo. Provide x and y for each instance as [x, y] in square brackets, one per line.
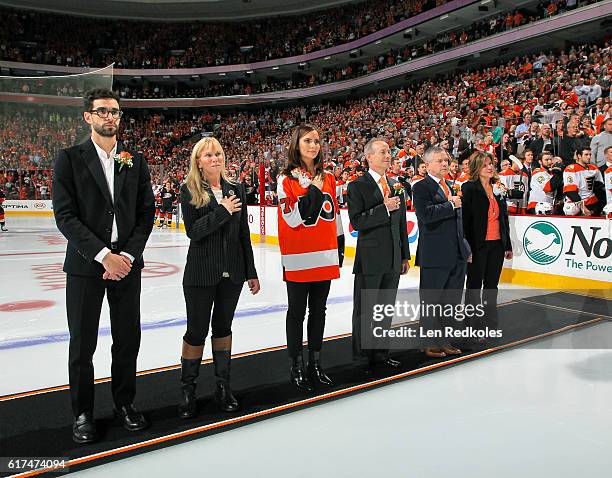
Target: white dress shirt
[108, 167]
[376, 178]
[219, 197]
[437, 180]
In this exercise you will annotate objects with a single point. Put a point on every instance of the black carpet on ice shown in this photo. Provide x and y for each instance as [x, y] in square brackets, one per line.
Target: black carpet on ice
[40, 425]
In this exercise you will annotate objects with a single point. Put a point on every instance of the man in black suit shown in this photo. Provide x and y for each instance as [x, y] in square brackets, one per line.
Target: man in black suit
[570, 143]
[544, 142]
[458, 146]
[442, 251]
[379, 215]
[528, 166]
[103, 204]
[418, 159]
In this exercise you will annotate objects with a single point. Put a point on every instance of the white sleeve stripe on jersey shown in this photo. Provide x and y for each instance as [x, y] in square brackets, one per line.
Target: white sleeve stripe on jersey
[292, 218]
[339, 227]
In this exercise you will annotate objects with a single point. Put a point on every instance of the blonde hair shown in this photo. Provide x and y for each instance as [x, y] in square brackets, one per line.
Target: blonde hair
[196, 181]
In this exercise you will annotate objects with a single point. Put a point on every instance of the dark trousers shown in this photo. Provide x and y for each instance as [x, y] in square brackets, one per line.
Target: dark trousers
[300, 294]
[370, 290]
[200, 300]
[483, 273]
[84, 297]
[440, 286]
[486, 266]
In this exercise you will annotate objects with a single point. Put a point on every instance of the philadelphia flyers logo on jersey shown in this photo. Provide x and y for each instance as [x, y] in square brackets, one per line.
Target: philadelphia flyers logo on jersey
[327, 211]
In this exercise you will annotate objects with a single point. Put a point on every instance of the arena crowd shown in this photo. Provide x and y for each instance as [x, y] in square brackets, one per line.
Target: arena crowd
[555, 102]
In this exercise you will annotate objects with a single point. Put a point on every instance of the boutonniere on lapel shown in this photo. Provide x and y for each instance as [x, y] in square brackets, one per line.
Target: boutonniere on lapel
[398, 189]
[304, 177]
[124, 159]
[456, 189]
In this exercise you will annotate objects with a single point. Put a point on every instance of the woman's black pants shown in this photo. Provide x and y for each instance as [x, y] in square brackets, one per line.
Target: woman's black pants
[200, 301]
[299, 295]
[483, 273]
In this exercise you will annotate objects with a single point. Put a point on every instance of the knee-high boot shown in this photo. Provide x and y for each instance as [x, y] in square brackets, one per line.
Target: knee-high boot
[190, 369]
[222, 357]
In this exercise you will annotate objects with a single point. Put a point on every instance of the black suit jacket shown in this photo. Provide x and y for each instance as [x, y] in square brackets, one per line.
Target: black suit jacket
[220, 241]
[407, 188]
[568, 146]
[537, 146]
[84, 210]
[463, 149]
[475, 216]
[529, 172]
[441, 239]
[382, 244]
[416, 161]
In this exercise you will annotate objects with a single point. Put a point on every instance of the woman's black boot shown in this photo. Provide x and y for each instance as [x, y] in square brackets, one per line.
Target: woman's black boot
[190, 369]
[222, 357]
[298, 375]
[315, 372]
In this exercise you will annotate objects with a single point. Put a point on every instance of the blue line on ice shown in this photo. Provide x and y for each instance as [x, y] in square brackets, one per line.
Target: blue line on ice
[23, 342]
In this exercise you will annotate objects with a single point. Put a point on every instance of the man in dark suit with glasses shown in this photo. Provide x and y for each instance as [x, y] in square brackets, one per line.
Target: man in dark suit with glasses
[104, 206]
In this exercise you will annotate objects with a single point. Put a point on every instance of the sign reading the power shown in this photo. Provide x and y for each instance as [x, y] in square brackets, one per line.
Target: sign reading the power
[571, 247]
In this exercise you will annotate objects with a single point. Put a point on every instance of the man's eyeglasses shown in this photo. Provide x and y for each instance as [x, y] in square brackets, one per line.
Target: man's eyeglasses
[103, 112]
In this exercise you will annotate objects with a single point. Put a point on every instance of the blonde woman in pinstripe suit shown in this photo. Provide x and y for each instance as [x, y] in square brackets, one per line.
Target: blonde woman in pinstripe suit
[219, 261]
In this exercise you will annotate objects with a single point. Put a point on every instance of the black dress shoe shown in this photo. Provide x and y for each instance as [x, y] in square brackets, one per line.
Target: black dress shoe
[367, 369]
[131, 419]
[84, 428]
[368, 366]
[389, 362]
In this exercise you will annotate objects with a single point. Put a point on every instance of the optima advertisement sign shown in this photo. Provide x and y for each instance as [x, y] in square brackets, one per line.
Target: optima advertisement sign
[27, 205]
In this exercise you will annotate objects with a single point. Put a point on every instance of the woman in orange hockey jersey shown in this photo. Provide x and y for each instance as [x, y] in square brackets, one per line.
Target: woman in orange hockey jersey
[308, 230]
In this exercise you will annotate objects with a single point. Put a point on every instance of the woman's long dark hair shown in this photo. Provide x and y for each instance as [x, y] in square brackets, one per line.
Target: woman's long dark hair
[294, 158]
